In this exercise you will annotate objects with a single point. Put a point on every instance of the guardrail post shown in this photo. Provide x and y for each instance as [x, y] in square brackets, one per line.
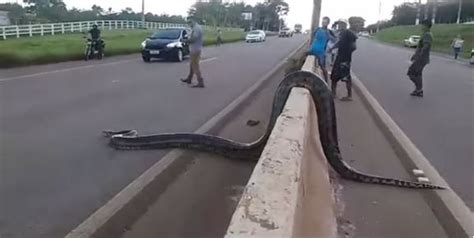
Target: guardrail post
[4, 33]
[116, 24]
[72, 27]
[52, 29]
[110, 25]
[30, 30]
[88, 25]
[62, 28]
[17, 32]
[42, 30]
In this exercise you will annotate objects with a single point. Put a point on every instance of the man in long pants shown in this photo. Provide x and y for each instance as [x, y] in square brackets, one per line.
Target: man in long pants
[195, 48]
[420, 59]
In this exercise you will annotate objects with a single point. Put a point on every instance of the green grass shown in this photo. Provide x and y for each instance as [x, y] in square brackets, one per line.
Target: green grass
[443, 35]
[50, 49]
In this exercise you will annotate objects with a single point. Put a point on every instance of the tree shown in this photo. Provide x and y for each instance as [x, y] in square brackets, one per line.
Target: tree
[97, 10]
[357, 23]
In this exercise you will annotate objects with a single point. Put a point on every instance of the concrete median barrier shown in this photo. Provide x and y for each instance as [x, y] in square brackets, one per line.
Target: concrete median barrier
[289, 193]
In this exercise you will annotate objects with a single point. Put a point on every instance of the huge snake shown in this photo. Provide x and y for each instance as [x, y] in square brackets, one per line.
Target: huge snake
[323, 99]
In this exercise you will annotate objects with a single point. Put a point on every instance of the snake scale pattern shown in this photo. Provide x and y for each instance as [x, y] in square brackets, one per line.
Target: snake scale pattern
[130, 140]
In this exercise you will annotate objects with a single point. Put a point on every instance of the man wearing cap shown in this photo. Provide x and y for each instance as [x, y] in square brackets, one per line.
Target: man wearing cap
[195, 48]
[342, 65]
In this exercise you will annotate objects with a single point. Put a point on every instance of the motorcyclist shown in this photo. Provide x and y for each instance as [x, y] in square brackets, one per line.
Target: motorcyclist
[95, 37]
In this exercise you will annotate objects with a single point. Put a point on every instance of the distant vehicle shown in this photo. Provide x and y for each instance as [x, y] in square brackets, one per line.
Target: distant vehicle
[412, 41]
[472, 57]
[285, 32]
[298, 28]
[364, 34]
[166, 43]
[255, 36]
[92, 50]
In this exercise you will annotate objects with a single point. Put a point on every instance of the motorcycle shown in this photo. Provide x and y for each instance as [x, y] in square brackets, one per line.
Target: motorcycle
[93, 50]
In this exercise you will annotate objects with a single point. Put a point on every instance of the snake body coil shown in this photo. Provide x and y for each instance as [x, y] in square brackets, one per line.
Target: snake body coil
[129, 140]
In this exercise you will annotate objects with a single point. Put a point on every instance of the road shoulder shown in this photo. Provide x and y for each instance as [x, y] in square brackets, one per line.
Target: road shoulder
[372, 210]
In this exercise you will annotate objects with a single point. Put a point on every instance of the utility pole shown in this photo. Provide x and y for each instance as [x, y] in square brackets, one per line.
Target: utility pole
[459, 12]
[316, 16]
[143, 13]
[435, 9]
[418, 13]
[378, 18]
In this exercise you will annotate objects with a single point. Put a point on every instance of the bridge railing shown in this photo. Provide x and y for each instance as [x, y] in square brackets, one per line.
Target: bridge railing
[17, 31]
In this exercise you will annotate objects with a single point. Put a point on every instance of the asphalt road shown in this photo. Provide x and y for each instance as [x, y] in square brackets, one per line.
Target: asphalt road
[442, 123]
[55, 167]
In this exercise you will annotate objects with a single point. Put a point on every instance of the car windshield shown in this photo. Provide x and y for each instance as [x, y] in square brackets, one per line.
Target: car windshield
[254, 33]
[169, 34]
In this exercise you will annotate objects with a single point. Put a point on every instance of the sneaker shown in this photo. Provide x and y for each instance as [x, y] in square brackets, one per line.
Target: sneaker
[346, 99]
[417, 93]
[199, 85]
[188, 81]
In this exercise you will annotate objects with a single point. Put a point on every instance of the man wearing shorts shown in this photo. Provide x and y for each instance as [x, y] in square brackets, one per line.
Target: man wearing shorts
[322, 36]
[342, 66]
[195, 48]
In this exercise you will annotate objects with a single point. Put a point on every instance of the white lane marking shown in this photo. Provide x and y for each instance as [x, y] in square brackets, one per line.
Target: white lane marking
[208, 60]
[66, 70]
[79, 68]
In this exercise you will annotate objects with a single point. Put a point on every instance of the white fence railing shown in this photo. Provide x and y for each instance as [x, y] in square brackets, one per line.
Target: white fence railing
[71, 27]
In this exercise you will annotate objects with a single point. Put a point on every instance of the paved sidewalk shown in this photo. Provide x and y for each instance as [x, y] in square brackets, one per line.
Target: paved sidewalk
[372, 211]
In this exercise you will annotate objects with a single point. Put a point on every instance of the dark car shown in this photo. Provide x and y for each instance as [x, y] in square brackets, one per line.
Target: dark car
[166, 43]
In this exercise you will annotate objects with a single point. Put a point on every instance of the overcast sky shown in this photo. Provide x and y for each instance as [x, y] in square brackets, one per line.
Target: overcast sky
[300, 10]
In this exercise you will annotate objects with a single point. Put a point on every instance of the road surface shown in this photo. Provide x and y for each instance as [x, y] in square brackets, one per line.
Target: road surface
[442, 123]
[55, 167]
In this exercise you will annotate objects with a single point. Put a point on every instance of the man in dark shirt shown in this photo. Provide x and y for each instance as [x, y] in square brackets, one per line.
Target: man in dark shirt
[342, 66]
[95, 36]
[420, 59]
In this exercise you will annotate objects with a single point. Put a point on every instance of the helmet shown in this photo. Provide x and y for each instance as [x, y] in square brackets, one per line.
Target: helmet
[95, 26]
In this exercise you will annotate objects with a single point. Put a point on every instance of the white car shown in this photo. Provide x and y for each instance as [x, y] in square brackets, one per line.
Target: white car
[255, 36]
[364, 34]
[472, 57]
[412, 41]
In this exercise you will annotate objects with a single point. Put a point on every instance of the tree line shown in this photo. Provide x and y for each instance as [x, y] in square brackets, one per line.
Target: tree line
[266, 15]
[46, 11]
[406, 14]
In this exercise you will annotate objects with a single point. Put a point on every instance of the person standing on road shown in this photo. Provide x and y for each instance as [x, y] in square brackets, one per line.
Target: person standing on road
[219, 37]
[420, 59]
[321, 38]
[195, 48]
[341, 70]
[457, 45]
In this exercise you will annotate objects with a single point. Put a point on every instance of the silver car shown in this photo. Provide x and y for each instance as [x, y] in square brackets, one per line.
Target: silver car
[412, 41]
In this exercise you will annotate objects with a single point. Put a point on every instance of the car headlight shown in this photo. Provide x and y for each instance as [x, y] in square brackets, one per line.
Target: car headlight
[143, 44]
[173, 44]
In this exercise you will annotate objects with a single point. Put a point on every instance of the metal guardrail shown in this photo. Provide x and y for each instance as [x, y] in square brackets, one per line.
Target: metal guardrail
[18, 31]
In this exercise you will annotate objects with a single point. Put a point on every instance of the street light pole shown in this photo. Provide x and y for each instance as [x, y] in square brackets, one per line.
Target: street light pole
[380, 13]
[459, 12]
[143, 13]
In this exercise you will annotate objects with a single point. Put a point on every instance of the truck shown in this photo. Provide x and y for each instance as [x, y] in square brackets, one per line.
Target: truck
[298, 28]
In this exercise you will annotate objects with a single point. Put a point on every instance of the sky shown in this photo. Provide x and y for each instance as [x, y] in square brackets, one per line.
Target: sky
[300, 10]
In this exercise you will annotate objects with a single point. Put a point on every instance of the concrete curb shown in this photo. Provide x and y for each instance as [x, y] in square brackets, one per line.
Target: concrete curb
[129, 204]
[452, 213]
[289, 193]
[291, 179]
